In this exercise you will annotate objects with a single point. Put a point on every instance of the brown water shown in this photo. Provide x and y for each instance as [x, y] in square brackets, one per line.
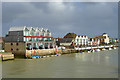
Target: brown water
[103, 64]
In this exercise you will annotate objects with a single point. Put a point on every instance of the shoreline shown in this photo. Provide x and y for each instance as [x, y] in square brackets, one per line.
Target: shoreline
[55, 52]
[69, 51]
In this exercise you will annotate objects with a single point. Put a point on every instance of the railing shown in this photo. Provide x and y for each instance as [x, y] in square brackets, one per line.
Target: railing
[77, 48]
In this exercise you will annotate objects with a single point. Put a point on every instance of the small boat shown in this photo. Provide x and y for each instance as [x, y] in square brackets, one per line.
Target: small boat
[97, 49]
[52, 55]
[92, 50]
[44, 56]
[55, 55]
[89, 51]
[34, 57]
[48, 56]
[110, 48]
[103, 49]
[58, 54]
[114, 48]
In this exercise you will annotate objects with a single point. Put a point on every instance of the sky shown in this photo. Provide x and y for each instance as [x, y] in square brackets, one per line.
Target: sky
[82, 18]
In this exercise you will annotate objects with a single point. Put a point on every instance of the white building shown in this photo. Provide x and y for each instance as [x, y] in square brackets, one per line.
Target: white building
[81, 40]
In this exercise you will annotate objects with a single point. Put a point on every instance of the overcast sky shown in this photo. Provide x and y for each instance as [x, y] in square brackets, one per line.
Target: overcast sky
[87, 18]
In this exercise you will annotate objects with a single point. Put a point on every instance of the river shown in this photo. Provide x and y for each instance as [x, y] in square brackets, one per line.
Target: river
[103, 64]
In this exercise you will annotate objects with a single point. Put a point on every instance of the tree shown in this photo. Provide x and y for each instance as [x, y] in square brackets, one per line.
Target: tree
[70, 35]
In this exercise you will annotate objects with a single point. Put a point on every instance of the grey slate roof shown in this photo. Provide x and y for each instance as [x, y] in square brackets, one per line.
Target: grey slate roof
[66, 40]
[23, 28]
[17, 28]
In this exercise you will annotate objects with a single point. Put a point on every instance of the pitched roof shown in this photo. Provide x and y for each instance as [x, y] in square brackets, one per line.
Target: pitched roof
[66, 40]
[21, 28]
[17, 28]
[99, 37]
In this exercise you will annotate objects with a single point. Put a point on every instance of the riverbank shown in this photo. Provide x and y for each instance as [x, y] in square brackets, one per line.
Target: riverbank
[55, 52]
[42, 53]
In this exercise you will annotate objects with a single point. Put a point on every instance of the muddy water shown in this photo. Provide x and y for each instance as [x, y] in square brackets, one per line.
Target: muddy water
[103, 64]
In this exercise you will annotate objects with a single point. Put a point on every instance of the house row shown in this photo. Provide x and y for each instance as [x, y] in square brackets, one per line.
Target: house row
[73, 40]
[23, 39]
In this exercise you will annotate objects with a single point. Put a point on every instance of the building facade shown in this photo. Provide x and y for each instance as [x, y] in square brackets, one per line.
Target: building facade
[81, 40]
[29, 37]
[2, 42]
[104, 38]
[93, 42]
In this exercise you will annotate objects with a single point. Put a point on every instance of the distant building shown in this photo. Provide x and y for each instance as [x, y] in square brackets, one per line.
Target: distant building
[81, 40]
[114, 40]
[2, 42]
[57, 40]
[20, 39]
[93, 42]
[104, 38]
[68, 40]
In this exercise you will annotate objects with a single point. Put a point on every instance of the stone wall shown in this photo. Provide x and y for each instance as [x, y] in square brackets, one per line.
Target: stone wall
[40, 52]
[17, 48]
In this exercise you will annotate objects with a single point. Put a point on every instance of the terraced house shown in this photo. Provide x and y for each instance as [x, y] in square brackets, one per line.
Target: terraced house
[20, 39]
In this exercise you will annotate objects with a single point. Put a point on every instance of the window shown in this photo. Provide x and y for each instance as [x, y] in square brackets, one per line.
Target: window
[17, 49]
[32, 39]
[37, 34]
[48, 34]
[17, 33]
[11, 49]
[17, 44]
[11, 43]
[18, 39]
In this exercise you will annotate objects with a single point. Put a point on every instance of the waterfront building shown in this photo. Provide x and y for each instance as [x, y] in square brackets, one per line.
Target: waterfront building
[20, 39]
[2, 42]
[114, 40]
[68, 40]
[104, 38]
[57, 40]
[93, 42]
[81, 40]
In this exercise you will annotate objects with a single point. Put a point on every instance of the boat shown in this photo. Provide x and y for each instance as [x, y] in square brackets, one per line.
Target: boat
[34, 57]
[114, 48]
[89, 51]
[44, 56]
[92, 50]
[103, 49]
[97, 49]
[110, 48]
[52, 55]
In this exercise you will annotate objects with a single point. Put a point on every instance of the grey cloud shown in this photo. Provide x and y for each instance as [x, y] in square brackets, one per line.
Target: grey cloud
[82, 18]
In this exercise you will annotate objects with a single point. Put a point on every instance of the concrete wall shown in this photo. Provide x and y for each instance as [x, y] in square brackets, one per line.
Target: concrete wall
[21, 48]
[65, 44]
[40, 52]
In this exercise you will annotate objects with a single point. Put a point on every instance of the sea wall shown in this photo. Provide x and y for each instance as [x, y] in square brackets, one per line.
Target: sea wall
[41, 52]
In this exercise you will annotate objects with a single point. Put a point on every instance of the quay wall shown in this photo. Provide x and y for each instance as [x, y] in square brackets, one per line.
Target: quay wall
[22, 53]
[41, 52]
[6, 56]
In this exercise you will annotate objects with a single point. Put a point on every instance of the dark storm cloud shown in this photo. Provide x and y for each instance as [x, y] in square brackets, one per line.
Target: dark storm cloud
[82, 18]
